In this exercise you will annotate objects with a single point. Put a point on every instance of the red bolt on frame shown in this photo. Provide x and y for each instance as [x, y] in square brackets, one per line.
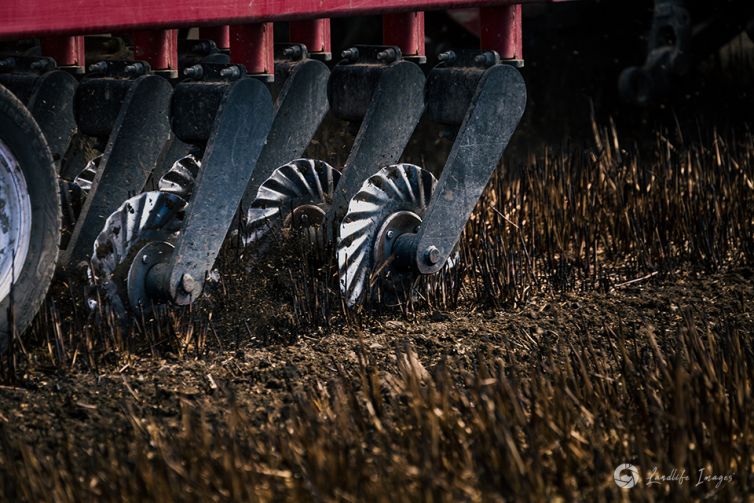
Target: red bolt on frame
[252, 45]
[159, 48]
[501, 31]
[313, 33]
[220, 35]
[406, 30]
[66, 51]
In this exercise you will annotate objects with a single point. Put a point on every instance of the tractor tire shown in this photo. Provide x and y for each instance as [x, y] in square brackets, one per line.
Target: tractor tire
[29, 217]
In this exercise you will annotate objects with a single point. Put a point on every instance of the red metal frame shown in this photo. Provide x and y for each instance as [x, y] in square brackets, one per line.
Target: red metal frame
[252, 45]
[220, 35]
[313, 33]
[406, 30]
[67, 51]
[500, 30]
[33, 18]
[159, 48]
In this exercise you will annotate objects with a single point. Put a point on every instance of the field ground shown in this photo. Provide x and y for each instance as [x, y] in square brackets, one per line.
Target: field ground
[550, 394]
[601, 314]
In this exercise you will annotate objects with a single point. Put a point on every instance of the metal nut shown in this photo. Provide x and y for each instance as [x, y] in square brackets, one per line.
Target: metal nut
[293, 52]
[188, 283]
[194, 72]
[432, 254]
[487, 59]
[388, 55]
[136, 69]
[447, 57]
[7, 63]
[230, 73]
[351, 54]
[99, 67]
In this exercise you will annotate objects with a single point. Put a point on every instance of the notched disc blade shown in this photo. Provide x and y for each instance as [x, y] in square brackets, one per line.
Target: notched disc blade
[303, 182]
[180, 178]
[151, 216]
[396, 188]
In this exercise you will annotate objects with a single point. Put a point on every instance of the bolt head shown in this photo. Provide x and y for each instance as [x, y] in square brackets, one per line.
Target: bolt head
[232, 72]
[432, 254]
[447, 57]
[188, 283]
[144, 258]
[350, 54]
[194, 72]
[98, 67]
[388, 55]
[390, 234]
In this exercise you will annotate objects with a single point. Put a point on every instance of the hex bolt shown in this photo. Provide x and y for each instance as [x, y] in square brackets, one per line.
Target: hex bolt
[351, 54]
[293, 52]
[447, 57]
[230, 73]
[7, 64]
[390, 234]
[487, 59]
[99, 67]
[136, 69]
[432, 254]
[188, 283]
[144, 258]
[388, 55]
[194, 72]
[40, 65]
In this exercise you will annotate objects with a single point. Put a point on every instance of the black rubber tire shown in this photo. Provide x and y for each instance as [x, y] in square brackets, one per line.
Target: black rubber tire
[21, 134]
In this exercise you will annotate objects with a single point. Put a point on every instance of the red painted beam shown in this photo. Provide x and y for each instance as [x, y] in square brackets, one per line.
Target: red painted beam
[313, 33]
[253, 46]
[500, 30]
[406, 30]
[220, 35]
[66, 51]
[30, 18]
[159, 48]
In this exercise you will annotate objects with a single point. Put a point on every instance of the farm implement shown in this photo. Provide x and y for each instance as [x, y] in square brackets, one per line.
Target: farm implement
[130, 151]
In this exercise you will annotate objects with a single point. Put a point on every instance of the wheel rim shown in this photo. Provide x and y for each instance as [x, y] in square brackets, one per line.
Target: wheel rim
[15, 220]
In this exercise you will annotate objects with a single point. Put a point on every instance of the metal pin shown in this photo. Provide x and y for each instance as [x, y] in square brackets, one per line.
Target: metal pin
[99, 67]
[388, 55]
[351, 54]
[136, 69]
[194, 72]
[447, 57]
[230, 73]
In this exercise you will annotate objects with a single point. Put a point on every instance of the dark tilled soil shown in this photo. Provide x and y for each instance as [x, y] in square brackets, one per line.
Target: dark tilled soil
[56, 411]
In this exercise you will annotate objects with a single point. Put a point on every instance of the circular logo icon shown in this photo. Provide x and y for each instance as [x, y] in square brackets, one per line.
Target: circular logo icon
[626, 476]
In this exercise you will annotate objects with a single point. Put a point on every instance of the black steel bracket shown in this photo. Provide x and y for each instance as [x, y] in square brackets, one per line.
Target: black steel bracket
[375, 86]
[240, 128]
[48, 94]
[136, 137]
[300, 105]
[492, 115]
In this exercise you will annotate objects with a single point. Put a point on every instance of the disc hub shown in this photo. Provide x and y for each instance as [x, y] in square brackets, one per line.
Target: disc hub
[140, 295]
[15, 220]
[386, 251]
[305, 215]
